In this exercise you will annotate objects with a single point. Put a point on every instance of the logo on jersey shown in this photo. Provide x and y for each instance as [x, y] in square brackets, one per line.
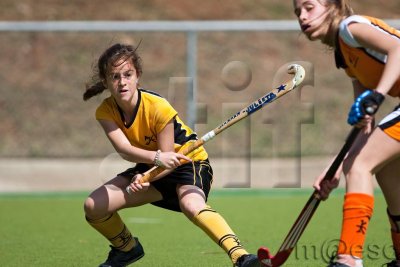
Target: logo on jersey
[149, 139]
[353, 60]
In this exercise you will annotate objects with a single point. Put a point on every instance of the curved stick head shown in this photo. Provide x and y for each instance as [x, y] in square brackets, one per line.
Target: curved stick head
[299, 73]
[266, 259]
[264, 256]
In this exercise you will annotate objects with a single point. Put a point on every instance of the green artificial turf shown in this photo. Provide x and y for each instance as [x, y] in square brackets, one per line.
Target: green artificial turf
[50, 230]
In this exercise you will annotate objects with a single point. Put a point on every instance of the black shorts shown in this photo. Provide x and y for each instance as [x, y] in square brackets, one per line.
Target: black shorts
[198, 173]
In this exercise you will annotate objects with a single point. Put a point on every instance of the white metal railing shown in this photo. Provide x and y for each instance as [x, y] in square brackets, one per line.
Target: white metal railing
[191, 28]
[163, 26]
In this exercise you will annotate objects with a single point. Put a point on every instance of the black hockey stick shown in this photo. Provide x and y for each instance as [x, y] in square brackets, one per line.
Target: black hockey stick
[306, 214]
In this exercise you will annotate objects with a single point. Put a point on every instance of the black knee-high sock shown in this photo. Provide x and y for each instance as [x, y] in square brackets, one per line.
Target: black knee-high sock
[395, 232]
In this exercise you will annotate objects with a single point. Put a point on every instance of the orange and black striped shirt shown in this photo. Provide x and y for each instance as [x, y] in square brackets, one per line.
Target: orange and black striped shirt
[364, 64]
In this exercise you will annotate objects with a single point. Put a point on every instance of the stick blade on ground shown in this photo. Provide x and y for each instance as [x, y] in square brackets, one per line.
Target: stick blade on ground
[268, 260]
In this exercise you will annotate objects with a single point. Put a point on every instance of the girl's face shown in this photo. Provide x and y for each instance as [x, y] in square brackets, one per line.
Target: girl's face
[311, 15]
[122, 80]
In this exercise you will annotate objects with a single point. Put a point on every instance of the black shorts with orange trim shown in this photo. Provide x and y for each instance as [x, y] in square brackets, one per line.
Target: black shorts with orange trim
[391, 124]
[198, 173]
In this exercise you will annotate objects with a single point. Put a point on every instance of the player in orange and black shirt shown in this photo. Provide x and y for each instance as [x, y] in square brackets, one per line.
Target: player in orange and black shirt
[145, 129]
[369, 51]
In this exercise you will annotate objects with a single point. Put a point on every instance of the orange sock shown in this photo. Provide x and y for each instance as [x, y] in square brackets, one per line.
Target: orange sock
[395, 231]
[114, 229]
[357, 211]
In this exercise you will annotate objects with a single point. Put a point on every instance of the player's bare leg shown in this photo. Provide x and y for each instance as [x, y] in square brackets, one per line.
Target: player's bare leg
[379, 150]
[101, 213]
[389, 181]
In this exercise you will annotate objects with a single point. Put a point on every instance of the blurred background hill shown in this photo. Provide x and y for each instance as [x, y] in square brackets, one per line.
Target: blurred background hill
[43, 76]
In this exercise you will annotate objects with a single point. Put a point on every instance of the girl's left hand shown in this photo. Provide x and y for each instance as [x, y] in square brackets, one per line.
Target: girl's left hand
[364, 107]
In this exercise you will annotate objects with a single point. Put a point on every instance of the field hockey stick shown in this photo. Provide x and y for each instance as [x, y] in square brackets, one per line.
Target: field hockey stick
[306, 214]
[295, 69]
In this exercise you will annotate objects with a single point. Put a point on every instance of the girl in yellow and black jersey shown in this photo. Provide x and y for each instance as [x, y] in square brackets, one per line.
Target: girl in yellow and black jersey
[145, 129]
[148, 121]
[368, 50]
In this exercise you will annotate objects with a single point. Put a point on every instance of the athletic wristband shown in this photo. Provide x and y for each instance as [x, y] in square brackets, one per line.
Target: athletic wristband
[157, 162]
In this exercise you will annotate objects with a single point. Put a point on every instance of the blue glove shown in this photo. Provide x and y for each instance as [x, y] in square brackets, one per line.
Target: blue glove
[366, 104]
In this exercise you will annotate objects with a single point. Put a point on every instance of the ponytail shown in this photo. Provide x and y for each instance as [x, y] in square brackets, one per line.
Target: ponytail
[93, 90]
[338, 10]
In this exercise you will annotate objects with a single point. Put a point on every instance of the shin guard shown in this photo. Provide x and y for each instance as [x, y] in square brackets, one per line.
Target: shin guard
[113, 228]
[218, 230]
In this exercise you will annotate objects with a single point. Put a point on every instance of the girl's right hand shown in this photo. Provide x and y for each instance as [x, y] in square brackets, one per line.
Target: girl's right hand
[171, 160]
[325, 186]
[136, 186]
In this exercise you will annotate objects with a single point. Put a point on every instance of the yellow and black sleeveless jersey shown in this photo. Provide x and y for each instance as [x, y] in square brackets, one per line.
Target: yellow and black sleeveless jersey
[151, 115]
[364, 64]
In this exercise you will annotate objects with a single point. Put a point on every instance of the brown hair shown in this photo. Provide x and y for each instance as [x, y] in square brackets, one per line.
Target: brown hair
[337, 11]
[113, 56]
